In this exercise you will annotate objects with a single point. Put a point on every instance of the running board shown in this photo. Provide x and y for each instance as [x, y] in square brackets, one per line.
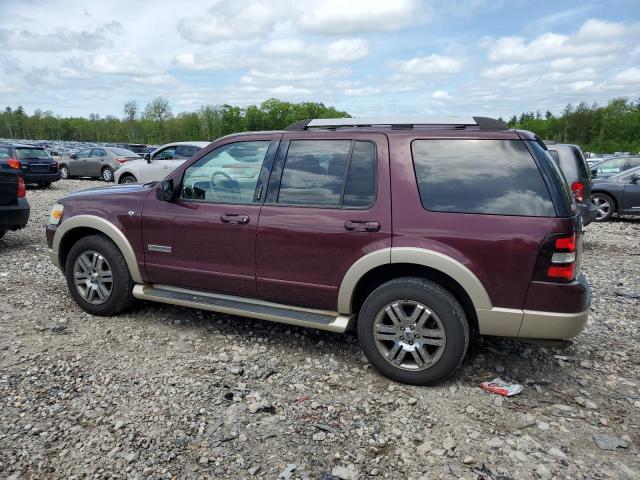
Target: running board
[245, 307]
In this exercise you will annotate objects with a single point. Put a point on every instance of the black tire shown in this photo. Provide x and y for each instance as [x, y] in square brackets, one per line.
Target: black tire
[128, 178]
[2, 233]
[606, 203]
[64, 172]
[107, 174]
[121, 296]
[437, 299]
[44, 184]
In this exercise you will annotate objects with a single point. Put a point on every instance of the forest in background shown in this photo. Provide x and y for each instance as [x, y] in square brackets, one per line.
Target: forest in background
[614, 127]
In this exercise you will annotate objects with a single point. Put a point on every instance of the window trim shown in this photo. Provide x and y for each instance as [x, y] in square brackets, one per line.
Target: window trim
[527, 148]
[265, 171]
[275, 183]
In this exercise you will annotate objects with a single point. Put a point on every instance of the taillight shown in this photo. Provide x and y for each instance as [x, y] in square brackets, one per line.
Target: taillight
[577, 188]
[558, 258]
[121, 160]
[14, 163]
[22, 188]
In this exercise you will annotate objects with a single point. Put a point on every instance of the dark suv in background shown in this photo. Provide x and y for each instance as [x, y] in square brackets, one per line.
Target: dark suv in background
[571, 161]
[34, 164]
[416, 232]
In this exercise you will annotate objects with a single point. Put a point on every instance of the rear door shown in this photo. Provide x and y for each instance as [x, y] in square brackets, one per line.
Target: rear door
[327, 205]
[8, 188]
[631, 197]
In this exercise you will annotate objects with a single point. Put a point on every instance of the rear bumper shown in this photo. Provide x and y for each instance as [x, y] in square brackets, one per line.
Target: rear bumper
[14, 217]
[40, 177]
[558, 312]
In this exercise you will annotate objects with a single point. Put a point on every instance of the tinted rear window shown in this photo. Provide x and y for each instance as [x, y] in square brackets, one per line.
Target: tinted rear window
[123, 152]
[24, 153]
[583, 168]
[496, 177]
[4, 153]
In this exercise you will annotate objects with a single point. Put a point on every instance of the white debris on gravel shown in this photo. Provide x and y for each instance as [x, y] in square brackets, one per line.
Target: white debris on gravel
[166, 392]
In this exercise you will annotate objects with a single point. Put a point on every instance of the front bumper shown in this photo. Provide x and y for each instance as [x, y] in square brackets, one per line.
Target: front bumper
[14, 217]
[53, 255]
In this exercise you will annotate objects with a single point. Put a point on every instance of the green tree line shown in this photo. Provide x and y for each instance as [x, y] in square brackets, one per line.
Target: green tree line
[156, 124]
[605, 129]
[614, 127]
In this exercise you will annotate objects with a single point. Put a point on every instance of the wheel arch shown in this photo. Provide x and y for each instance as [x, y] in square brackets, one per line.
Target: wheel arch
[383, 265]
[80, 226]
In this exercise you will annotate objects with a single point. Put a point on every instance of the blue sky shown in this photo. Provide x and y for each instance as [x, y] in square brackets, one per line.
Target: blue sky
[390, 57]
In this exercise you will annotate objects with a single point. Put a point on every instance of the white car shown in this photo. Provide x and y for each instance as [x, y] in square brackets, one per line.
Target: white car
[159, 164]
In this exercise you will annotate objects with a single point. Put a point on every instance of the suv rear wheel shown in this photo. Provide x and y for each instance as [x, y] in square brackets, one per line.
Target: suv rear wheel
[128, 179]
[98, 277]
[413, 331]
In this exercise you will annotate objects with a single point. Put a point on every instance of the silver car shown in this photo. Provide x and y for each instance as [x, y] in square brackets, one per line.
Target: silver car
[98, 162]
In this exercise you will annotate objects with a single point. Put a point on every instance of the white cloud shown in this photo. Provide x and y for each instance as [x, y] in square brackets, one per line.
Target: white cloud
[60, 40]
[350, 16]
[284, 47]
[362, 92]
[630, 76]
[346, 50]
[119, 64]
[440, 95]
[581, 85]
[433, 64]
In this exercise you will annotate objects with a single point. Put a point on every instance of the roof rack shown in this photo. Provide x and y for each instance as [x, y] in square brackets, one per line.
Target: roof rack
[400, 123]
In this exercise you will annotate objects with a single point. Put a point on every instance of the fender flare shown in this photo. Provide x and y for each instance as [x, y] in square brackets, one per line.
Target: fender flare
[108, 229]
[417, 256]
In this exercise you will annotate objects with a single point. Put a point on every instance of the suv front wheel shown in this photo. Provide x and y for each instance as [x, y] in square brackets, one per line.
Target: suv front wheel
[413, 331]
[98, 277]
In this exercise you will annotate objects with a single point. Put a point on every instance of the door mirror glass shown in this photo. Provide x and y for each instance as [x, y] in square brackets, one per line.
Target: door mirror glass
[165, 191]
[635, 178]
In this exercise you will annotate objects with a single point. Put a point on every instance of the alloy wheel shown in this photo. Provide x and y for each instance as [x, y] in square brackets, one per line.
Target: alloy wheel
[603, 207]
[409, 335]
[93, 277]
[64, 173]
[107, 175]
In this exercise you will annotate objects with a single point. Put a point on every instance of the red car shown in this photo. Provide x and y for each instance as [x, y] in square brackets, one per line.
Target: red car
[414, 231]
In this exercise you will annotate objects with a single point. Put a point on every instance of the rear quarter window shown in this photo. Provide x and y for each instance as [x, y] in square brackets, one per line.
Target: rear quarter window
[494, 177]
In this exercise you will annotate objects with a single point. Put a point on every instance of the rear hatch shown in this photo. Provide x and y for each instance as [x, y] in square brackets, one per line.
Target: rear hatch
[583, 172]
[36, 160]
[8, 188]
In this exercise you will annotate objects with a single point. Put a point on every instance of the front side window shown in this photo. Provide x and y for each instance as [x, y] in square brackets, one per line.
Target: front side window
[4, 153]
[228, 174]
[83, 153]
[496, 177]
[98, 152]
[329, 173]
[168, 153]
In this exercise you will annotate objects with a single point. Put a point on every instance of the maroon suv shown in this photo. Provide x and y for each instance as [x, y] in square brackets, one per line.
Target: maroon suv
[416, 232]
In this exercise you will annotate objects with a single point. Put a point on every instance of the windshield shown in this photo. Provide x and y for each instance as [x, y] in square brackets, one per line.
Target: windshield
[25, 153]
[625, 175]
[123, 152]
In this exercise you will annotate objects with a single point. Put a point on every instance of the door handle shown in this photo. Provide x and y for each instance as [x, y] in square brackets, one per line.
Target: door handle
[361, 226]
[234, 218]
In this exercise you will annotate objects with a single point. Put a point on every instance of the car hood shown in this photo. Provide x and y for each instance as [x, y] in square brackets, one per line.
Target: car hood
[123, 189]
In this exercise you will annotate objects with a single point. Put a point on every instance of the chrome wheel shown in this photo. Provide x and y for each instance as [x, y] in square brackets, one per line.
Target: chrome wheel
[107, 175]
[603, 207]
[64, 173]
[408, 335]
[93, 277]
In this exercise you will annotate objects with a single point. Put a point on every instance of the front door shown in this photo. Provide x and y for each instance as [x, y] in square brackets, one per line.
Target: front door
[631, 196]
[95, 162]
[328, 204]
[159, 165]
[206, 239]
[78, 165]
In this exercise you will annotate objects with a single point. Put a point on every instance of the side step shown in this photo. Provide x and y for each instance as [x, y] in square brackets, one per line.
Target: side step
[245, 307]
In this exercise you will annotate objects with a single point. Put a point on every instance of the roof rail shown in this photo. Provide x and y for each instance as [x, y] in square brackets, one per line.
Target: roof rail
[483, 123]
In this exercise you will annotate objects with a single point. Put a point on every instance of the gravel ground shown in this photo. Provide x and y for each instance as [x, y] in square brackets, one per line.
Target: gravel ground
[168, 392]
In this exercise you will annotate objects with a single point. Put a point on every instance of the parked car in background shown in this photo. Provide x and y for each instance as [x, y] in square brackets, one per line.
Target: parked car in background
[414, 236]
[571, 161]
[614, 166]
[99, 162]
[14, 207]
[617, 194]
[160, 163]
[139, 148]
[34, 164]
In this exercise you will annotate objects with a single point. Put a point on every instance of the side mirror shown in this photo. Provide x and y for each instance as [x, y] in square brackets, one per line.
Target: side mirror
[147, 157]
[166, 191]
[635, 178]
[594, 171]
[73, 156]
